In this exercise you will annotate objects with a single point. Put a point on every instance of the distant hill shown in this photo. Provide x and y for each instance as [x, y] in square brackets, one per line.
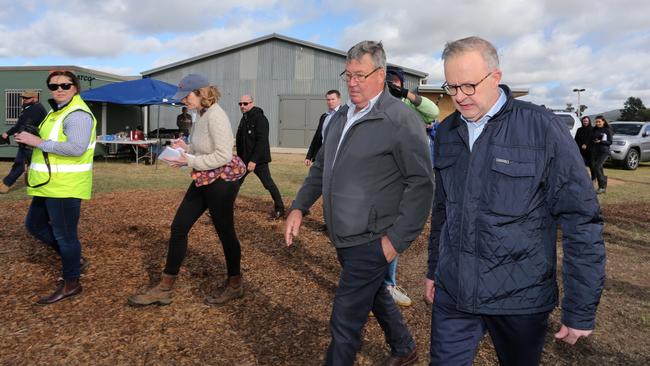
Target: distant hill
[613, 115]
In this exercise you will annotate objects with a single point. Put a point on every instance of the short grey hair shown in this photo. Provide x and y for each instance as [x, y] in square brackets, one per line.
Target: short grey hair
[487, 50]
[372, 48]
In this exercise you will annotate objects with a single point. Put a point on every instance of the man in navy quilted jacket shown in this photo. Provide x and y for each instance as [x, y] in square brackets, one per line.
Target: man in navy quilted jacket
[508, 175]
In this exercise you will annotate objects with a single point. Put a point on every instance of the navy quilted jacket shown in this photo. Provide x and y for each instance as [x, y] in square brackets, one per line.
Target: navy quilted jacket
[497, 212]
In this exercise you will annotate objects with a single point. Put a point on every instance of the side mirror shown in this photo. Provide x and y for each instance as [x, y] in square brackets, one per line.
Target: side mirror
[645, 134]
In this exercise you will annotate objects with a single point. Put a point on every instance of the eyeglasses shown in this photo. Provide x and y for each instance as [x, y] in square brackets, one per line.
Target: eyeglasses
[467, 89]
[25, 98]
[244, 103]
[64, 86]
[359, 78]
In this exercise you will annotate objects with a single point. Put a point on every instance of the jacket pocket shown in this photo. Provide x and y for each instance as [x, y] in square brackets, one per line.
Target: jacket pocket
[511, 184]
[444, 163]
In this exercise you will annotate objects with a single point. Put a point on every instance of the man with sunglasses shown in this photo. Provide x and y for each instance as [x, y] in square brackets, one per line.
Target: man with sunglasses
[508, 175]
[374, 174]
[253, 148]
[32, 115]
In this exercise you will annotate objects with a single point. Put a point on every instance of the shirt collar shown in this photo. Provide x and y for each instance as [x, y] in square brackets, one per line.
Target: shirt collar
[352, 107]
[336, 109]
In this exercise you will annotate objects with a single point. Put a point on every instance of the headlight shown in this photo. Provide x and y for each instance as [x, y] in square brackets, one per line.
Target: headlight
[620, 142]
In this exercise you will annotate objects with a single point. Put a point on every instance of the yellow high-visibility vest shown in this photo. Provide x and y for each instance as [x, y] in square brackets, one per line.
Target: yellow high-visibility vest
[72, 176]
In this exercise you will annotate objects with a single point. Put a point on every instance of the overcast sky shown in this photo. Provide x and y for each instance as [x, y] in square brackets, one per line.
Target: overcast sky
[549, 47]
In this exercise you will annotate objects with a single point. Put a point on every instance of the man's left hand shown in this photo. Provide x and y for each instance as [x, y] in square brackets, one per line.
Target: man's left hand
[570, 335]
[389, 250]
[28, 139]
[251, 166]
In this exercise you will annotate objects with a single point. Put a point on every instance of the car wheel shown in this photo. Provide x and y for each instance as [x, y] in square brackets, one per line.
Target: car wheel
[631, 161]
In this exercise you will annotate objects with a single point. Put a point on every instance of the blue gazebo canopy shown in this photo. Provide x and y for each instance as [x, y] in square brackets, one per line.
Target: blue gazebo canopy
[133, 92]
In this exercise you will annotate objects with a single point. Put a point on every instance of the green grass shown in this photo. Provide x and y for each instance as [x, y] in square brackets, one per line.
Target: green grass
[288, 171]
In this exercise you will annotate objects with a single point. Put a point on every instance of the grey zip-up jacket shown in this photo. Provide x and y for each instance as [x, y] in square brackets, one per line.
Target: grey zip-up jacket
[381, 182]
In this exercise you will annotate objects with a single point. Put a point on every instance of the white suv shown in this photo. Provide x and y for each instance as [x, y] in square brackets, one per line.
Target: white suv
[571, 120]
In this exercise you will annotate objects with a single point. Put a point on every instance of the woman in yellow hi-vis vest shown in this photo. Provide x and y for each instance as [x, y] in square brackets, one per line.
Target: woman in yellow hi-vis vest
[60, 176]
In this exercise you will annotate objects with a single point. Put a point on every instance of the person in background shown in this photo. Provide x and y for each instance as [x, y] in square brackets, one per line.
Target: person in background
[60, 176]
[508, 176]
[32, 115]
[583, 139]
[253, 147]
[333, 100]
[601, 139]
[428, 112]
[184, 123]
[211, 149]
[374, 173]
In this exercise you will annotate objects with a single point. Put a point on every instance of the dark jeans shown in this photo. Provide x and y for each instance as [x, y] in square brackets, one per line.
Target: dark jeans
[54, 221]
[361, 289]
[598, 158]
[264, 174]
[18, 167]
[219, 198]
[455, 335]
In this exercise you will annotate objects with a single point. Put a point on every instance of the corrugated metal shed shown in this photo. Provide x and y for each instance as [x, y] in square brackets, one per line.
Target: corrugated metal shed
[267, 68]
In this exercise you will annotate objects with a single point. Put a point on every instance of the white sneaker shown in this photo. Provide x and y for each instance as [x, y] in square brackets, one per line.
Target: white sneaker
[399, 295]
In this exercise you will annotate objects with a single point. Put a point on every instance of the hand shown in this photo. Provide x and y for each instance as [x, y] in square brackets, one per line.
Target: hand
[387, 247]
[584, 147]
[596, 141]
[179, 143]
[429, 290]
[251, 166]
[4, 135]
[28, 139]
[396, 91]
[570, 335]
[307, 162]
[292, 226]
[177, 162]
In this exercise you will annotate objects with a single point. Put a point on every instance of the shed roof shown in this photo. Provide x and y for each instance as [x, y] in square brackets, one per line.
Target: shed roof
[68, 67]
[262, 39]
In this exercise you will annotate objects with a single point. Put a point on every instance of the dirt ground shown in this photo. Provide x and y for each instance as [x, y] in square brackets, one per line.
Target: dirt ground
[283, 318]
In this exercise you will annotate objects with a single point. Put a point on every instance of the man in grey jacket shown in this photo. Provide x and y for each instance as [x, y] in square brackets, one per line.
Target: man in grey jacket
[374, 173]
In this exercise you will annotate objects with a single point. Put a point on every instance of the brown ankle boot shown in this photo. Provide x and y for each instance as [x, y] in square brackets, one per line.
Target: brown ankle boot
[160, 294]
[233, 289]
[64, 289]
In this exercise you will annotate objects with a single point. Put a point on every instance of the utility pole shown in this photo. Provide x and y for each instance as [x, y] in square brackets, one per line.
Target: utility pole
[576, 90]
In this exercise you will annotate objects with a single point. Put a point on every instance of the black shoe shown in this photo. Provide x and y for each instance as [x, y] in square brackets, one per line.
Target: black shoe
[277, 214]
[409, 359]
[74, 288]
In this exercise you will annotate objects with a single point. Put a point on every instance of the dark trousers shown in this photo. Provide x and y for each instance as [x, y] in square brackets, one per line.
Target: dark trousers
[54, 221]
[219, 198]
[361, 289]
[598, 158]
[18, 167]
[455, 335]
[264, 174]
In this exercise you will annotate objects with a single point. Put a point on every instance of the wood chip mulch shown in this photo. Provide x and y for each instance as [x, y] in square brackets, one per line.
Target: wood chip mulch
[282, 319]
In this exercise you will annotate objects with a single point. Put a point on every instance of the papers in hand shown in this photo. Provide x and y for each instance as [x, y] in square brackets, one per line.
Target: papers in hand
[169, 152]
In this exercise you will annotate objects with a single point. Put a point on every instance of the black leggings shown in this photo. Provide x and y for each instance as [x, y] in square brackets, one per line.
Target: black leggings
[598, 158]
[219, 198]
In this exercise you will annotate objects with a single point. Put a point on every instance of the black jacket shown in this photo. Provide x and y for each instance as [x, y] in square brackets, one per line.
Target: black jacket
[317, 140]
[497, 211]
[253, 137]
[583, 137]
[601, 147]
[33, 114]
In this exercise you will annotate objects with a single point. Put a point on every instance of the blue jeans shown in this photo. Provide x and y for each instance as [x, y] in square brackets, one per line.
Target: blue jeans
[391, 275]
[18, 168]
[54, 221]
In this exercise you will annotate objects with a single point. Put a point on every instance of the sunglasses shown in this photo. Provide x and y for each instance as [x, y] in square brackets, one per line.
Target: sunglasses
[244, 103]
[64, 86]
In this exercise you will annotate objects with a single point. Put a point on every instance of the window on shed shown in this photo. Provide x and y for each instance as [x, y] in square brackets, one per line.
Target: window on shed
[14, 105]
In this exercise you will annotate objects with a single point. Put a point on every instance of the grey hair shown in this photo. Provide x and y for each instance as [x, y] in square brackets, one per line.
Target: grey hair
[372, 48]
[487, 50]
